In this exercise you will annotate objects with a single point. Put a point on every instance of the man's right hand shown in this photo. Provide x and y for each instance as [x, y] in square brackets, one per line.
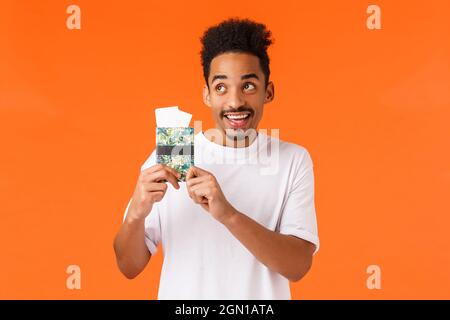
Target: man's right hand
[150, 188]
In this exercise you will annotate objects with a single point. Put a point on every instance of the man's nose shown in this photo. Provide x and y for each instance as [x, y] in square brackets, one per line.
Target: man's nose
[235, 99]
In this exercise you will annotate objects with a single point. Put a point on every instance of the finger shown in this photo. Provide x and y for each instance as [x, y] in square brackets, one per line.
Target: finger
[198, 199]
[195, 172]
[157, 196]
[153, 168]
[164, 175]
[200, 171]
[190, 173]
[155, 186]
[195, 180]
[194, 196]
[173, 171]
[188, 187]
[172, 177]
[158, 167]
[201, 193]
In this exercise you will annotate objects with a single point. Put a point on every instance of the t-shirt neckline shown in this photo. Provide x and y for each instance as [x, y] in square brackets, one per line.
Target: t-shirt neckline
[232, 152]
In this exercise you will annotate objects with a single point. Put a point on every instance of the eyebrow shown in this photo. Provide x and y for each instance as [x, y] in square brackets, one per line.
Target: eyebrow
[243, 77]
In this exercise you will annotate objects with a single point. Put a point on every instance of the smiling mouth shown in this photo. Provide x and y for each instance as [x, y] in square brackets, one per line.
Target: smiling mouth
[237, 119]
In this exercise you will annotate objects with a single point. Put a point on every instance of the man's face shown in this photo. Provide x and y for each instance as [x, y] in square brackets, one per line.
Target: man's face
[237, 92]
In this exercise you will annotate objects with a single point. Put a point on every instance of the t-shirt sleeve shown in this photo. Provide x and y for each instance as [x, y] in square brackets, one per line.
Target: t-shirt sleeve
[152, 221]
[298, 216]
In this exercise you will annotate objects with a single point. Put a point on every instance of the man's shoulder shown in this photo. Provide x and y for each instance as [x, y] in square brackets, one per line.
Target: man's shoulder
[287, 148]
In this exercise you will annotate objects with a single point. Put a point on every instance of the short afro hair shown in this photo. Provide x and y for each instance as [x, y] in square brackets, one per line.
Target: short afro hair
[236, 35]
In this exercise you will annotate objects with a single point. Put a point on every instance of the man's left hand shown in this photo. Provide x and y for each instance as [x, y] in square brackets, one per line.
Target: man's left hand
[204, 189]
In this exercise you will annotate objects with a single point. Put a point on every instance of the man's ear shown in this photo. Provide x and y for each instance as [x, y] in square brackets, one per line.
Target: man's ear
[206, 96]
[270, 92]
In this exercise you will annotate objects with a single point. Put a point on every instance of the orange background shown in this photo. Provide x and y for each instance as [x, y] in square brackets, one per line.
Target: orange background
[77, 122]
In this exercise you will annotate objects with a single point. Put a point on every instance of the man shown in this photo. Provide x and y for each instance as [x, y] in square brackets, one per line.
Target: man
[233, 230]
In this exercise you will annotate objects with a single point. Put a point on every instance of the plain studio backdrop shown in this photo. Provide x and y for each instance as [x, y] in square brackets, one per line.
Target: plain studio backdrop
[77, 121]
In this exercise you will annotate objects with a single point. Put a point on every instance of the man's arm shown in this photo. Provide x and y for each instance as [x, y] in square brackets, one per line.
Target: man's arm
[132, 254]
[288, 255]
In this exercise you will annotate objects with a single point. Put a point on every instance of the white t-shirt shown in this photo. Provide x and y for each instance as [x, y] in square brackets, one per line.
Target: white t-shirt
[270, 181]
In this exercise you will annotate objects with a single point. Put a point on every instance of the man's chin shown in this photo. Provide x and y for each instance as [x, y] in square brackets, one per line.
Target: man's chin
[240, 134]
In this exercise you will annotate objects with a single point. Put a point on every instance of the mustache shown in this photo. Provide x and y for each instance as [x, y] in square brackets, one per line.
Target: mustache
[240, 109]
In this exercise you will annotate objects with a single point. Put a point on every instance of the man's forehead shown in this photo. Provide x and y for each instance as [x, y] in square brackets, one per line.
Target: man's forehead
[238, 66]
[244, 76]
[246, 63]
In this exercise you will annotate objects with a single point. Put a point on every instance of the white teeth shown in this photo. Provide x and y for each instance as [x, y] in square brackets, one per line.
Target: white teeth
[237, 116]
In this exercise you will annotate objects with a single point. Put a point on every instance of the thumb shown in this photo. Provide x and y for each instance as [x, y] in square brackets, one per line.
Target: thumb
[195, 172]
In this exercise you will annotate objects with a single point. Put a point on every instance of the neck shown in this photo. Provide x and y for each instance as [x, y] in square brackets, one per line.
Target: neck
[219, 136]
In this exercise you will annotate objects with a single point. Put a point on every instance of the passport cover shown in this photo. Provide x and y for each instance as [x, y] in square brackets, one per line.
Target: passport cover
[175, 148]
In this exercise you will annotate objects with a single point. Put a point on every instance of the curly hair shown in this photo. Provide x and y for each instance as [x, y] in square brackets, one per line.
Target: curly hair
[236, 35]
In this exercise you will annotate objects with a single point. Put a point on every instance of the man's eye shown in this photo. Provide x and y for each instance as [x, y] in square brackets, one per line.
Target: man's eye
[249, 86]
[220, 88]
